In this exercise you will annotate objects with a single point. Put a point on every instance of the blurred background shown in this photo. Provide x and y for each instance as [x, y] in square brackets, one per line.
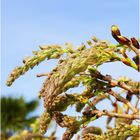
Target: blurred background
[28, 24]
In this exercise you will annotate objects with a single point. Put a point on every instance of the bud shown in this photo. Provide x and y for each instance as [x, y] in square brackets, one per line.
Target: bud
[65, 121]
[79, 106]
[81, 98]
[43, 47]
[123, 40]
[67, 135]
[82, 47]
[115, 31]
[135, 43]
[89, 42]
[44, 122]
[89, 137]
[69, 47]
[60, 61]
[26, 59]
[117, 35]
[94, 38]
[35, 52]
[92, 130]
[61, 103]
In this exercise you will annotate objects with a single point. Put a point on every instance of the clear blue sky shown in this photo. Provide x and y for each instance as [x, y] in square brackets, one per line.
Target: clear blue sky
[29, 23]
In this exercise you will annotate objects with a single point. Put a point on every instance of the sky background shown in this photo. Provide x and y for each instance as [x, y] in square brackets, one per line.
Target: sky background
[26, 24]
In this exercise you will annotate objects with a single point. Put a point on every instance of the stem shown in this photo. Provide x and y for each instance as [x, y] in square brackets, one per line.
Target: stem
[116, 115]
[128, 62]
[42, 74]
[123, 85]
[120, 98]
[112, 82]
[135, 50]
[98, 99]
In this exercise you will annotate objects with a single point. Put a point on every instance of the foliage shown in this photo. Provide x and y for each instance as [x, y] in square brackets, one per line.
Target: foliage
[15, 114]
[81, 66]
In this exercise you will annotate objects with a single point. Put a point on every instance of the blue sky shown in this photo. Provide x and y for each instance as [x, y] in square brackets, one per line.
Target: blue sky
[26, 24]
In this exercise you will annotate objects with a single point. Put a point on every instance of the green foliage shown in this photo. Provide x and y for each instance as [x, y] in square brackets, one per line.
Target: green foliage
[15, 114]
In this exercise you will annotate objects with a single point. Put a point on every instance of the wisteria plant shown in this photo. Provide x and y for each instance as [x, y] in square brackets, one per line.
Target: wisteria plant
[80, 66]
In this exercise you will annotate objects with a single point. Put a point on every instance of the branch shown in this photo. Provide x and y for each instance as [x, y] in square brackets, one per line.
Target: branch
[98, 99]
[120, 84]
[123, 100]
[42, 74]
[95, 101]
[134, 49]
[112, 82]
[116, 115]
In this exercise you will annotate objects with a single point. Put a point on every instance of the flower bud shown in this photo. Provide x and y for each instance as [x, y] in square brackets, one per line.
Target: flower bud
[26, 59]
[89, 42]
[115, 30]
[43, 47]
[123, 40]
[94, 39]
[117, 35]
[135, 43]
[45, 120]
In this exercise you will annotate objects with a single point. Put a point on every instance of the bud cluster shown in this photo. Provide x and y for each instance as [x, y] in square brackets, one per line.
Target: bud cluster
[79, 67]
[65, 121]
[45, 120]
[49, 52]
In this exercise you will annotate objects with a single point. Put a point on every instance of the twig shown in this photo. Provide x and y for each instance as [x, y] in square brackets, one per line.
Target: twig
[42, 74]
[137, 102]
[120, 98]
[95, 101]
[134, 49]
[95, 73]
[98, 99]
[116, 115]
[114, 82]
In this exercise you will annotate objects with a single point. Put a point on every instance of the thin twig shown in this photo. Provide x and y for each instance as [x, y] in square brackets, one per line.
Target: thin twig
[95, 101]
[98, 99]
[116, 115]
[42, 74]
[134, 49]
[114, 82]
[120, 98]
[137, 102]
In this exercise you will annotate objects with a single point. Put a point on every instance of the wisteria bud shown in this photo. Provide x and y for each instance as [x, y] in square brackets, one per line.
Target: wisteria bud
[26, 59]
[135, 43]
[117, 35]
[89, 42]
[115, 30]
[43, 47]
[94, 39]
[82, 47]
[123, 40]
[44, 122]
